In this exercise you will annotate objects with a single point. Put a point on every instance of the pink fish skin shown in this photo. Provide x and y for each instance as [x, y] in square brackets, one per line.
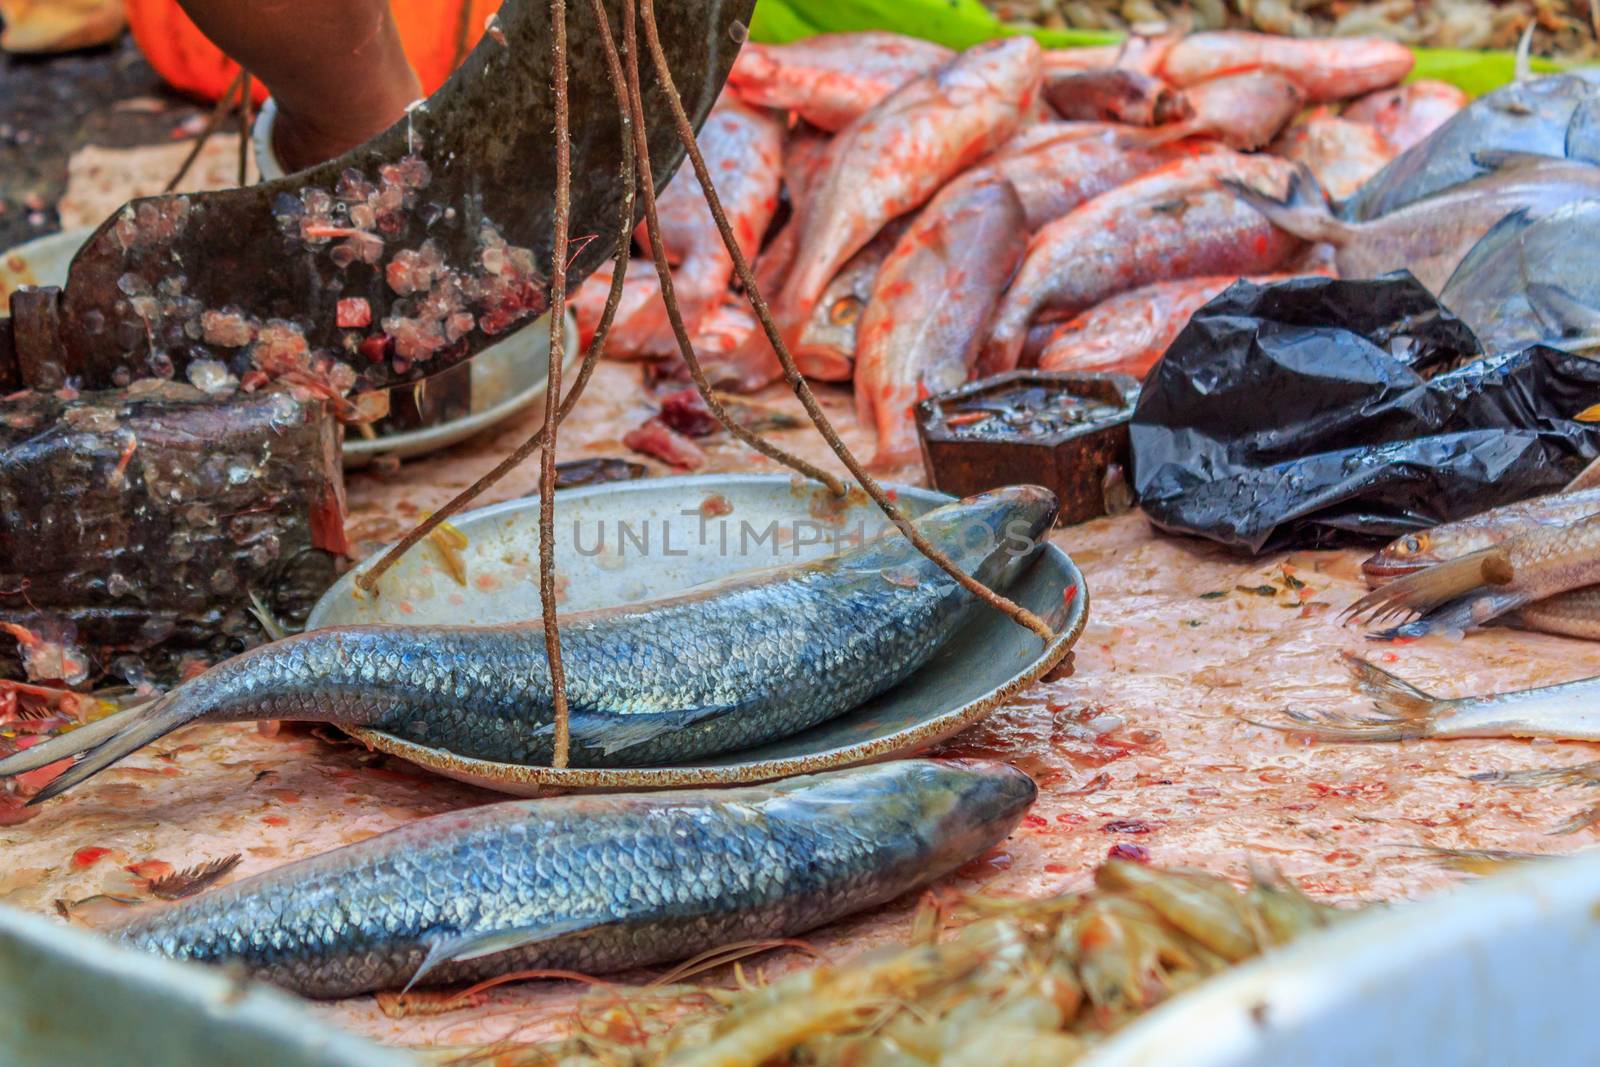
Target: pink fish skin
[1341, 154]
[1406, 114]
[1244, 110]
[826, 348]
[1129, 333]
[1054, 177]
[925, 323]
[1325, 69]
[1115, 96]
[1077, 60]
[832, 79]
[1174, 222]
[1137, 52]
[638, 312]
[892, 159]
[743, 149]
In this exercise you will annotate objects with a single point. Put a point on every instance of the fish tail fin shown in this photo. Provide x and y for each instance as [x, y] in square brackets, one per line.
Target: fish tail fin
[1391, 694]
[1524, 65]
[107, 741]
[1562, 312]
[1404, 712]
[1422, 591]
[1303, 212]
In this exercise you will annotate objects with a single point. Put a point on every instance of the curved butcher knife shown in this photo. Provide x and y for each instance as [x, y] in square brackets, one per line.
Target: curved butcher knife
[397, 260]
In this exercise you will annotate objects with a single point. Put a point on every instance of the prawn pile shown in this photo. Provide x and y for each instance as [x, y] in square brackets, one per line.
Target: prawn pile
[921, 218]
[1563, 28]
[1019, 983]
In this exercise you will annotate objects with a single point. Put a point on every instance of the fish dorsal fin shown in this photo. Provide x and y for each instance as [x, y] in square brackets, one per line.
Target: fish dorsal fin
[1559, 310]
[1583, 132]
[447, 947]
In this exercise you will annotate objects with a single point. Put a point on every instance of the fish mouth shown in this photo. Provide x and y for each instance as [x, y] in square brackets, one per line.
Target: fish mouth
[1380, 569]
[824, 361]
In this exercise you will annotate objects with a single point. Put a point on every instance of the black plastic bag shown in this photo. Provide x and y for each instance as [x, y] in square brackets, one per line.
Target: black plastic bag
[1300, 414]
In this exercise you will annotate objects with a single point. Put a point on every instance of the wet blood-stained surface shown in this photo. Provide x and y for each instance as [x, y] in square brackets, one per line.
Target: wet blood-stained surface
[1146, 751]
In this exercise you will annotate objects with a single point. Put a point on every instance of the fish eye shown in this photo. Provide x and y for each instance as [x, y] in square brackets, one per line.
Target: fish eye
[1412, 545]
[844, 311]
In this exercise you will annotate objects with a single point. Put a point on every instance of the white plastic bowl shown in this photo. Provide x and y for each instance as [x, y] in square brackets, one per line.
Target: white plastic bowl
[1500, 973]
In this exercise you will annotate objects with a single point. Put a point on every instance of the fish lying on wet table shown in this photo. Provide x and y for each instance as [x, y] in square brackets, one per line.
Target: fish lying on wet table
[1574, 614]
[1402, 712]
[1471, 590]
[727, 665]
[594, 883]
[1022, 982]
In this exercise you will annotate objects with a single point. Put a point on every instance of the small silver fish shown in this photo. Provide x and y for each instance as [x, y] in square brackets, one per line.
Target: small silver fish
[594, 883]
[1570, 712]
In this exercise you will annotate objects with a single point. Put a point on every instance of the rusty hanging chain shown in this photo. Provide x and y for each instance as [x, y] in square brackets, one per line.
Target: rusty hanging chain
[558, 318]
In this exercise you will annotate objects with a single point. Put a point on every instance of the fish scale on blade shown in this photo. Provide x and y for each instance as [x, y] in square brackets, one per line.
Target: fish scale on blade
[1573, 614]
[728, 665]
[594, 884]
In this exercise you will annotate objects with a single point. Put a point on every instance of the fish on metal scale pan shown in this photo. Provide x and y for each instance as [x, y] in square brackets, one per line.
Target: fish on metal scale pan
[727, 665]
[594, 883]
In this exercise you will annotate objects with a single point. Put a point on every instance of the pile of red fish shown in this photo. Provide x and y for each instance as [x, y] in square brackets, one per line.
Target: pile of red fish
[921, 217]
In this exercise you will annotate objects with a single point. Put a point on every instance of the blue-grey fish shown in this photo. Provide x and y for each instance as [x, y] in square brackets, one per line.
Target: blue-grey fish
[1533, 278]
[1432, 236]
[595, 883]
[1557, 115]
[727, 665]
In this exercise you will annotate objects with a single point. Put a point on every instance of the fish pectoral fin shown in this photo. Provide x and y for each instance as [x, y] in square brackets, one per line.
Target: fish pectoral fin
[448, 947]
[611, 734]
[1507, 159]
[1422, 591]
[1559, 310]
